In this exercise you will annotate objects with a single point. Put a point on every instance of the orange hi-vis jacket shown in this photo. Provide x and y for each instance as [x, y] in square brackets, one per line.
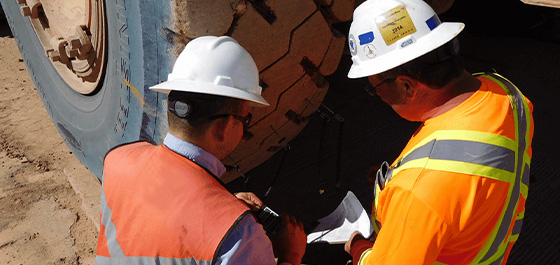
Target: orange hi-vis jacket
[158, 207]
[456, 194]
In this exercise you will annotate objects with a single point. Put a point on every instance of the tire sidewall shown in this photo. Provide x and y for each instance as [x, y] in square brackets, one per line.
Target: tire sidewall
[93, 124]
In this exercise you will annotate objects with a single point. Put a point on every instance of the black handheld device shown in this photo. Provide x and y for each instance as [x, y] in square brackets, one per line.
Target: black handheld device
[269, 219]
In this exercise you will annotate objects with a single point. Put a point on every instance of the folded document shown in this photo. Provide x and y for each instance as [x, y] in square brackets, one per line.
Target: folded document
[337, 227]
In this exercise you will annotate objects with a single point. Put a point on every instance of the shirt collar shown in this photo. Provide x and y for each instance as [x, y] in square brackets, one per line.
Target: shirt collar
[195, 154]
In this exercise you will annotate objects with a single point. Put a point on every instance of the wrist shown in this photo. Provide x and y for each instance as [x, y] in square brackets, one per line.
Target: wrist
[359, 247]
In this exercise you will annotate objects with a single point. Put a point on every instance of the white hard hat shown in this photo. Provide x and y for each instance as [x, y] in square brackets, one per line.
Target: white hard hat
[216, 66]
[387, 33]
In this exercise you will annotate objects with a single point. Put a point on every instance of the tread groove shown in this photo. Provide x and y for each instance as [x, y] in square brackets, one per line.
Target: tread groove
[264, 10]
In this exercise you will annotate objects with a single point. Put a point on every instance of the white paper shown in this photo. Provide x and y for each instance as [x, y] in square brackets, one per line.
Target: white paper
[338, 226]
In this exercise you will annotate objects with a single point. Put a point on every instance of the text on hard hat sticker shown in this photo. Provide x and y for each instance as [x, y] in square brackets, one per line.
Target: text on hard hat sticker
[366, 38]
[395, 24]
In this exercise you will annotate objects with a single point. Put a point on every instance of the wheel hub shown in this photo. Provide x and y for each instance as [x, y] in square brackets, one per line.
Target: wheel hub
[72, 34]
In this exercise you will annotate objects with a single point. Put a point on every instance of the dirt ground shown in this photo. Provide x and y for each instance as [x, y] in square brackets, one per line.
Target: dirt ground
[43, 219]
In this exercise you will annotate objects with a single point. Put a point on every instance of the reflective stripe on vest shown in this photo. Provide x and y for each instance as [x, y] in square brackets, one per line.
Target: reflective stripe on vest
[496, 246]
[483, 154]
[110, 229]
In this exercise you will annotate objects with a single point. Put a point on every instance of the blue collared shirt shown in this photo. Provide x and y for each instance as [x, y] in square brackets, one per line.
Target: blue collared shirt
[195, 154]
[247, 243]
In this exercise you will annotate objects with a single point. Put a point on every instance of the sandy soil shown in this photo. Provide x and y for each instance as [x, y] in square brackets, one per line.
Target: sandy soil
[44, 218]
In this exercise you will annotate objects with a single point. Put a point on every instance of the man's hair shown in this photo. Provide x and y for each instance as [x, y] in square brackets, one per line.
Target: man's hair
[202, 106]
[435, 69]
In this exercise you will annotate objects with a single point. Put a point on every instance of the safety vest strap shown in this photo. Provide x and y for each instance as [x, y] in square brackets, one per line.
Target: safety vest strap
[496, 246]
[525, 179]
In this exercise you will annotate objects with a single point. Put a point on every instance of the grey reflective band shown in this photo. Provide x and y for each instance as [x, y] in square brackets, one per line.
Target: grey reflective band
[483, 154]
[473, 152]
[418, 153]
[100, 260]
[526, 173]
[498, 261]
[110, 229]
[517, 227]
[383, 175]
[522, 125]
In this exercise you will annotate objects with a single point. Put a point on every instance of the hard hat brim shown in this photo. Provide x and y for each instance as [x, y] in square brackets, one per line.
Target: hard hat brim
[209, 88]
[438, 37]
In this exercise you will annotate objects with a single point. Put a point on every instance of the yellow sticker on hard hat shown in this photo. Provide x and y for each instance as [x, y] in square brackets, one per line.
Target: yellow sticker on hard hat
[395, 24]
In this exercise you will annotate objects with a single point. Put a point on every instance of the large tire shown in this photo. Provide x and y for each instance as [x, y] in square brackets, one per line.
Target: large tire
[121, 110]
[292, 43]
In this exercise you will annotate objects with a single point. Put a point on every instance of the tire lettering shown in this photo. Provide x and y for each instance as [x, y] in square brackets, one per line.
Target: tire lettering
[124, 101]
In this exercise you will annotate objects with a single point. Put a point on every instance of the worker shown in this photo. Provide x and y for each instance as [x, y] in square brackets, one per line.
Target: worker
[456, 193]
[165, 204]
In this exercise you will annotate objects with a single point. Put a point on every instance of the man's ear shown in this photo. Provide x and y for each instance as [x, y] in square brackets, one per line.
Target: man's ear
[410, 85]
[220, 128]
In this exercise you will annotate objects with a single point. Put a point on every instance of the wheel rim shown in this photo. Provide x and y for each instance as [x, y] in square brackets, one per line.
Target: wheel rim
[72, 34]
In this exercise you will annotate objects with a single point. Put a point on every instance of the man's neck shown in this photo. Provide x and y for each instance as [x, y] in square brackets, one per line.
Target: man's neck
[194, 153]
[452, 95]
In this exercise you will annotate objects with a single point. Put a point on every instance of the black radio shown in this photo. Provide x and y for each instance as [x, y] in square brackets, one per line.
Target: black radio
[269, 219]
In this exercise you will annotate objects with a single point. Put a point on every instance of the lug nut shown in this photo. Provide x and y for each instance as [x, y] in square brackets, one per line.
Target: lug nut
[25, 11]
[30, 8]
[53, 55]
[80, 41]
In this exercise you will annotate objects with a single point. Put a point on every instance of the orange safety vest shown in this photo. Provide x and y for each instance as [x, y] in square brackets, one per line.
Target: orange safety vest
[463, 179]
[158, 207]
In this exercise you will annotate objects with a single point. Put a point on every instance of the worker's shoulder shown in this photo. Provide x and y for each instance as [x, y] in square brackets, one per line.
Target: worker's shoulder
[126, 146]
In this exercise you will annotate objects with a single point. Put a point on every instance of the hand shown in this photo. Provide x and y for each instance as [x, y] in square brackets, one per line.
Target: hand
[290, 241]
[353, 238]
[250, 199]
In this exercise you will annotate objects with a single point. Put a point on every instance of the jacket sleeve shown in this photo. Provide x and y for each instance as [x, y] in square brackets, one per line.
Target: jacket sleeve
[246, 244]
[358, 249]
